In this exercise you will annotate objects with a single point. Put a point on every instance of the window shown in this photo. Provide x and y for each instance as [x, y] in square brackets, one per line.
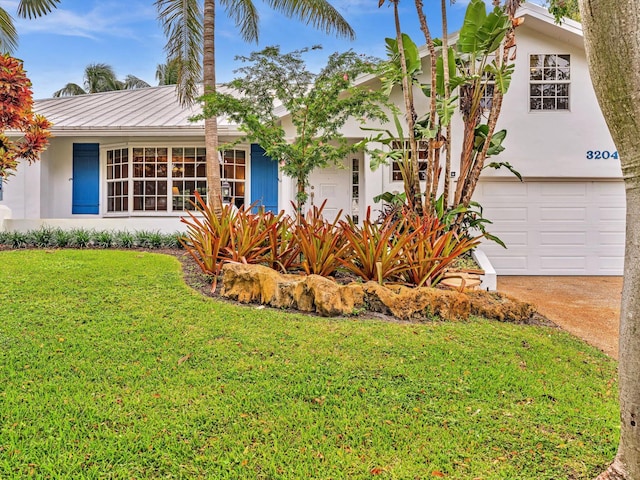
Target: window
[487, 98]
[150, 179]
[164, 179]
[549, 76]
[355, 189]
[234, 172]
[189, 172]
[118, 180]
[423, 154]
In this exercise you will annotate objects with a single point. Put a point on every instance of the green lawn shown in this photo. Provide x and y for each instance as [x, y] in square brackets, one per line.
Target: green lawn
[111, 367]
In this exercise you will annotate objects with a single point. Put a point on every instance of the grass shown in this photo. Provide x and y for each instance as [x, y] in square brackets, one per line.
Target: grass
[111, 367]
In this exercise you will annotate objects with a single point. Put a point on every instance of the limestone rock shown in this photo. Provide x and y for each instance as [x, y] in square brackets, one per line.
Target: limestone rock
[500, 307]
[417, 303]
[313, 293]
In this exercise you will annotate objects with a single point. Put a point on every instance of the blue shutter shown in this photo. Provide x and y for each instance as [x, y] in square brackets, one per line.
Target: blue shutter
[264, 180]
[86, 178]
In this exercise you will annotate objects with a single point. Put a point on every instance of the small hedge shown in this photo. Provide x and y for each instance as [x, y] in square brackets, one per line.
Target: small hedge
[48, 237]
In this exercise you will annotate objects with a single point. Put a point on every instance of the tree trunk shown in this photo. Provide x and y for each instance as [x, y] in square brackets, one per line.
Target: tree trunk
[433, 160]
[447, 96]
[214, 190]
[412, 185]
[612, 42]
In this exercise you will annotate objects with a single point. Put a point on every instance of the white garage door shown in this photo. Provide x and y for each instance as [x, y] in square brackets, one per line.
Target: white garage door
[555, 228]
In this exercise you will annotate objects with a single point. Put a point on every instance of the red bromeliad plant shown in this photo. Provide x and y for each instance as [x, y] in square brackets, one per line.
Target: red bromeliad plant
[376, 250]
[17, 118]
[320, 242]
[431, 250]
[249, 236]
[284, 251]
[208, 236]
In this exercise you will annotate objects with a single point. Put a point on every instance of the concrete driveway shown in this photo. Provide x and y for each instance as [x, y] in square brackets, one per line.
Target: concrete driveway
[587, 307]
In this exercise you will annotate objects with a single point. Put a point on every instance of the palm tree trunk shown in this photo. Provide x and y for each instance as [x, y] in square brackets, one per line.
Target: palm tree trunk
[432, 166]
[214, 191]
[447, 96]
[412, 185]
[612, 35]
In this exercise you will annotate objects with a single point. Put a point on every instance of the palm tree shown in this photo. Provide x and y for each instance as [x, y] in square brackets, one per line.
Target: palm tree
[100, 77]
[190, 32]
[167, 73]
[26, 9]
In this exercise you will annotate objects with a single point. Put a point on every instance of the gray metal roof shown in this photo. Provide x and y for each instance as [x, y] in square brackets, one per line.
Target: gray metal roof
[149, 111]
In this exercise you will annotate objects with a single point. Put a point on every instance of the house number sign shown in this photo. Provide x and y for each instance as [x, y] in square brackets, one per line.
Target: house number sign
[601, 154]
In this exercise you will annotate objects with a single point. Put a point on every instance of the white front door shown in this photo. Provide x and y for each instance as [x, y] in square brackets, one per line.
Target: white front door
[332, 184]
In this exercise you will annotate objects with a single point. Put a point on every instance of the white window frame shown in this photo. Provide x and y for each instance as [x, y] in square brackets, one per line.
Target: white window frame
[552, 78]
[423, 153]
[171, 210]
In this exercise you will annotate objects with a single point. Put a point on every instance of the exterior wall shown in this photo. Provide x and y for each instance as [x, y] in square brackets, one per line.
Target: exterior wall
[554, 144]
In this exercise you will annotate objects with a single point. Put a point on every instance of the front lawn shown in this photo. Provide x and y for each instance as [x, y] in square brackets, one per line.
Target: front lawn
[111, 367]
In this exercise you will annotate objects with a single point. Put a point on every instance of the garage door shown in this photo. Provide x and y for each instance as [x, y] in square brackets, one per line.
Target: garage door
[555, 228]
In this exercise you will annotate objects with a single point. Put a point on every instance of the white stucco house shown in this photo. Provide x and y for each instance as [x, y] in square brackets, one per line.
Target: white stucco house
[131, 159]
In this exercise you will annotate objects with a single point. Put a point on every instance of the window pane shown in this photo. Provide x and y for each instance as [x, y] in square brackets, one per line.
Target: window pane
[549, 73]
[548, 103]
[563, 74]
[563, 103]
[534, 104]
[201, 170]
[137, 188]
[162, 170]
[563, 60]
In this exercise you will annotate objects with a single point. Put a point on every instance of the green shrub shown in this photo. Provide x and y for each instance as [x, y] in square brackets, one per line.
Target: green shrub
[103, 239]
[19, 239]
[123, 239]
[43, 237]
[80, 238]
[61, 238]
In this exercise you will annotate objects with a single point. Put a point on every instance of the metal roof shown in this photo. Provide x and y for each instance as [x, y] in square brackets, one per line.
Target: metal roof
[146, 111]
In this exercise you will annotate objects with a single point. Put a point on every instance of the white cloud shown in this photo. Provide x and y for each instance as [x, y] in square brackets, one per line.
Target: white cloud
[102, 19]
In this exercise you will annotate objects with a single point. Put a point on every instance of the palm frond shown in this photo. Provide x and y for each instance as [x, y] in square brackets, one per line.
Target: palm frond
[320, 14]
[182, 21]
[36, 8]
[8, 34]
[131, 81]
[69, 90]
[245, 15]
[100, 77]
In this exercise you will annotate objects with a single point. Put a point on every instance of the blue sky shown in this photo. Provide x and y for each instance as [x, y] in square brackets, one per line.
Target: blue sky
[127, 35]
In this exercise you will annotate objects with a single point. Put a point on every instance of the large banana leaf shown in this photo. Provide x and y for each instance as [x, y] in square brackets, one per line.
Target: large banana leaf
[482, 33]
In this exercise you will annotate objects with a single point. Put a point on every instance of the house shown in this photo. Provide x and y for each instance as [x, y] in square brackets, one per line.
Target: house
[132, 159]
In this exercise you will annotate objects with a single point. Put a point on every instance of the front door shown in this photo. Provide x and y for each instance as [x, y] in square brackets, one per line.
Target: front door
[264, 180]
[86, 178]
[333, 185]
